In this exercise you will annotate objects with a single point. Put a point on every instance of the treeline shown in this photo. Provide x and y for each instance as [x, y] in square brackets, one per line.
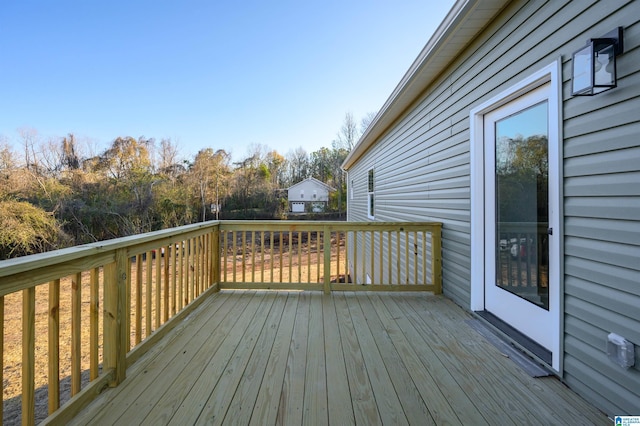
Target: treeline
[55, 193]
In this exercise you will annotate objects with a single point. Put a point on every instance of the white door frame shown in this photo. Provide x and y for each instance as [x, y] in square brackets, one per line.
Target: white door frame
[549, 74]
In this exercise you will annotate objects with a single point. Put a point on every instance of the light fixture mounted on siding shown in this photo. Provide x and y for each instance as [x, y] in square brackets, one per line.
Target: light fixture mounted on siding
[594, 66]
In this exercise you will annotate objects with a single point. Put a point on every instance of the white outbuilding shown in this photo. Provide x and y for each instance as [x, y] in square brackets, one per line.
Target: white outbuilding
[309, 195]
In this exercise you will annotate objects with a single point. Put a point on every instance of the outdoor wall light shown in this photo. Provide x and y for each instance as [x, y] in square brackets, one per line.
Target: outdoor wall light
[594, 66]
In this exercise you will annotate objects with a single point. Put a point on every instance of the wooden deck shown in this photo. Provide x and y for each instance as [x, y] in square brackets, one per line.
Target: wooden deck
[259, 357]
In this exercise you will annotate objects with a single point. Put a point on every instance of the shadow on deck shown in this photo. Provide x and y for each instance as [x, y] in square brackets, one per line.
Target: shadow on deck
[267, 357]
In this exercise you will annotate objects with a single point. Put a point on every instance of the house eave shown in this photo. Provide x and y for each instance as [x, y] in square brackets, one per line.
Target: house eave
[465, 20]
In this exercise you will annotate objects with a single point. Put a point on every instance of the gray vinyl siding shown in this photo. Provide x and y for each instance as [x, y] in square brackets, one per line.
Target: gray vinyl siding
[602, 226]
[422, 168]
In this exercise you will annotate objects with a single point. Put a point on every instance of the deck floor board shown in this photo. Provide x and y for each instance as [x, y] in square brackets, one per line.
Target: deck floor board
[283, 357]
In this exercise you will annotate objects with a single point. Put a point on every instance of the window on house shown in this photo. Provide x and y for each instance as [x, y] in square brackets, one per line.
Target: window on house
[302, 193]
[315, 194]
[371, 197]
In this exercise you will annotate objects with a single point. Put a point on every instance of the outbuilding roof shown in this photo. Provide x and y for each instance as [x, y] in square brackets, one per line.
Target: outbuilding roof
[314, 180]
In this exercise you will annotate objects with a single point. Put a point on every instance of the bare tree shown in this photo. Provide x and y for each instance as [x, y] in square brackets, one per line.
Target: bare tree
[168, 162]
[70, 155]
[298, 165]
[277, 168]
[348, 134]
[209, 173]
[8, 165]
[366, 121]
[29, 137]
[7, 156]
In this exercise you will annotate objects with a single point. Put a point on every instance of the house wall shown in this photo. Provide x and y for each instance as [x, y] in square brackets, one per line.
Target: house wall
[422, 173]
[308, 186]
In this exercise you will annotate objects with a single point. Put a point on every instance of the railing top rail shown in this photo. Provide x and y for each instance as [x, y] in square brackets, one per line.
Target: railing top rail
[35, 261]
[267, 225]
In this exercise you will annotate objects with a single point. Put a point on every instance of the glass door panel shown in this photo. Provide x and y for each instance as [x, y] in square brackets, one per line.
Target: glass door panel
[522, 204]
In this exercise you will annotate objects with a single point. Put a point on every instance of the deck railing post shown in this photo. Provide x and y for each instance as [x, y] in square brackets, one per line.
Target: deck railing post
[326, 233]
[115, 318]
[436, 257]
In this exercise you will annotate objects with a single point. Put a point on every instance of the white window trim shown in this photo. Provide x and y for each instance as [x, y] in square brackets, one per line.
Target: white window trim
[550, 73]
[371, 195]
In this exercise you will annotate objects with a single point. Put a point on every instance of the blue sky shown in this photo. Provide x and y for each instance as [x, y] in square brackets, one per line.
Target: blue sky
[225, 75]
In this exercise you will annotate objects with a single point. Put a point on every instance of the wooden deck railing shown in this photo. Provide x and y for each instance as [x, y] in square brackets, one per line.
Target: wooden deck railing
[145, 284]
[330, 255]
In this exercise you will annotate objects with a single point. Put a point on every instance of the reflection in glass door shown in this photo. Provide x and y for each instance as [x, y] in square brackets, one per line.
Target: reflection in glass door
[522, 204]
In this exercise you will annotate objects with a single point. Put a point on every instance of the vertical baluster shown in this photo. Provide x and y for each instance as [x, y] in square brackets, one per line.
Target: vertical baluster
[381, 258]
[54, 346]
[319, 252]
[201, 267]
[271, 258]
[407, 266]
[244, 254]
[206, 265]
[195, 276]
[233, 262]
[424, 257]
[196, 269]
[2, 353]
[372, 254]
[216, 256]
[158, 286]
[280, 244]
[290, 255]
[436, 255]
[253, 256]
[346, 257]
[138, 336]
[309, 245]
[262, 256]
[94, 322]
[326, 232]
[338, 243]
[174, 278]
[28, 355]
[180, 275]
[225, 252]
[149, 291]
[390, 256]
[165, 262]
[415, 257]
[299, 244]
[76, 304]
[398, 258]
[355, 257]
[271, 262]
[189, 293]
[127, 302]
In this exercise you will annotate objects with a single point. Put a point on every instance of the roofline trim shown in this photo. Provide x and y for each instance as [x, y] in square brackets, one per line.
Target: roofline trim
[418, 77]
